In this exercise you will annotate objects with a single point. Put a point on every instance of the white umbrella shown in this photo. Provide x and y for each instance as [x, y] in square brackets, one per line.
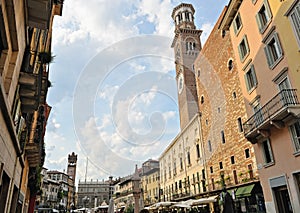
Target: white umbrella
[111, 207]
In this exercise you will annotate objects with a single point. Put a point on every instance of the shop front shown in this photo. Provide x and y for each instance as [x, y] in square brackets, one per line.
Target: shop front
[249, 199]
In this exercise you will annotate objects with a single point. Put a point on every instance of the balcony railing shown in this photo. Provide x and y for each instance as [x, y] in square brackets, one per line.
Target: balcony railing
[272, 113]
[38, 13]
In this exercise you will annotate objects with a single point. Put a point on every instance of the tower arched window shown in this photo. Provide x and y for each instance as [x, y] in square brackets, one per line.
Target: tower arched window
[202, 99]
[209, 146]
[230, 64]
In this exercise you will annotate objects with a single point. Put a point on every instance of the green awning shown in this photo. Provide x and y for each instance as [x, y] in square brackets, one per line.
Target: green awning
[244, 191]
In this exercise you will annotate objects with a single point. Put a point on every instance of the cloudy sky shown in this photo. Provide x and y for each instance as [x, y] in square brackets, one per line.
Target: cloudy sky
[114, 97]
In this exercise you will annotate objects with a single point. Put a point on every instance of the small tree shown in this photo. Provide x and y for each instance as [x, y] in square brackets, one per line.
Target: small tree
[129, 209]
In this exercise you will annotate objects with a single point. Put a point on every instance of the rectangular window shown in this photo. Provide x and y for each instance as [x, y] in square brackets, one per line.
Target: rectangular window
[188, 158]
[273, 50]
[221, 165]
[295, 134]
[237, 23]
[181, 164]
[243, 49]
[211, 169]
[223, 136]
[297, 181]
[209, 146]
[235, 177]
[267, 152]
[263, 17]
[232, 160]
[250, 79]
[198, 150]
[250, 171]
[240, 124]
[247, 153]
[294, 16]
[175, 168]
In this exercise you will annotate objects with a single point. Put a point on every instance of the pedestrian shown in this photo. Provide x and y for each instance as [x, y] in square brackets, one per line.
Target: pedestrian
[228, 206]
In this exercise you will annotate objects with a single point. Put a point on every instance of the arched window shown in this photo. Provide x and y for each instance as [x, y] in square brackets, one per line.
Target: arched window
[209, 146]
[202, 99]
[230, 64]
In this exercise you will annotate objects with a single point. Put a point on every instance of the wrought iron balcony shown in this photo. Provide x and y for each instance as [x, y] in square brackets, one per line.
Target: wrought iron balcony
[38, 13]
[33, 90]
[279, 109]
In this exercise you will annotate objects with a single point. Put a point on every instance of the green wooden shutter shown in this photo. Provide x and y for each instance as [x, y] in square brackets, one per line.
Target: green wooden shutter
[246, 81]
[269, 58]
[257, 17]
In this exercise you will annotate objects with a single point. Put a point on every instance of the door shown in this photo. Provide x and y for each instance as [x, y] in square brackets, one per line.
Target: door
[283, 200]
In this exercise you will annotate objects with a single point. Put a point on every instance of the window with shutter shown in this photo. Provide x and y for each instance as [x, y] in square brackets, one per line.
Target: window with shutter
[273, 50]
[237, 24]
[250, 79]
[263, 17]
[267, 152]
[243, 49]
[294, 16]
[295, 135]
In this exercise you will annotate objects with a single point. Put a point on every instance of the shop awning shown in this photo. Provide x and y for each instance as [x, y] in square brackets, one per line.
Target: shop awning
[205, 200]
[244, 191]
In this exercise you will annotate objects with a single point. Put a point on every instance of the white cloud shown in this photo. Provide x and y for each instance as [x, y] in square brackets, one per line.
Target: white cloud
[114, 141]
[148, 96]
[155, 11]
[108, 92]
[169, 115]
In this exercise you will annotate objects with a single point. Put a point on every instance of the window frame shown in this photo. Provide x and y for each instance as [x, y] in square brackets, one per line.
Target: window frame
[294, 136]
[240, 124]
[223, 137]
[236, 28]
[209, 146]
[251, 83]
[243, 55]
[263, 25]
[268, 143]
[271, 48]
[295, 10]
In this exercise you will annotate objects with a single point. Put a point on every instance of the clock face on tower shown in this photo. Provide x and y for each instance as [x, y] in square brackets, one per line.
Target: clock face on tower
[180, 83]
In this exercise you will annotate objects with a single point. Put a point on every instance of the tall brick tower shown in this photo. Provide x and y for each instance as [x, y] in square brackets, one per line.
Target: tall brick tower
[186, 45]
[72, 163]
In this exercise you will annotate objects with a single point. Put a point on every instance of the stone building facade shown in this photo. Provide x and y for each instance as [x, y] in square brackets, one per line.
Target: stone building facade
[229, 157]
[150, 182]
[93, 193]
[210, 153]
[25, 38]
[265, 37]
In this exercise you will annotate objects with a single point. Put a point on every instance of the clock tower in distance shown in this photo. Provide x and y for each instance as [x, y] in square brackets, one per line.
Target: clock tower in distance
[186, 45]
[72, 163]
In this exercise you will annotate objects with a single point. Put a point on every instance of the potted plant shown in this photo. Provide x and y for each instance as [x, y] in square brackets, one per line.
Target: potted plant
[45, 57]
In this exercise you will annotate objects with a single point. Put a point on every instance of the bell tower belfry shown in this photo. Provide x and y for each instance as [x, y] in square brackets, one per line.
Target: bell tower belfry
[186, 45]
[72, 163]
